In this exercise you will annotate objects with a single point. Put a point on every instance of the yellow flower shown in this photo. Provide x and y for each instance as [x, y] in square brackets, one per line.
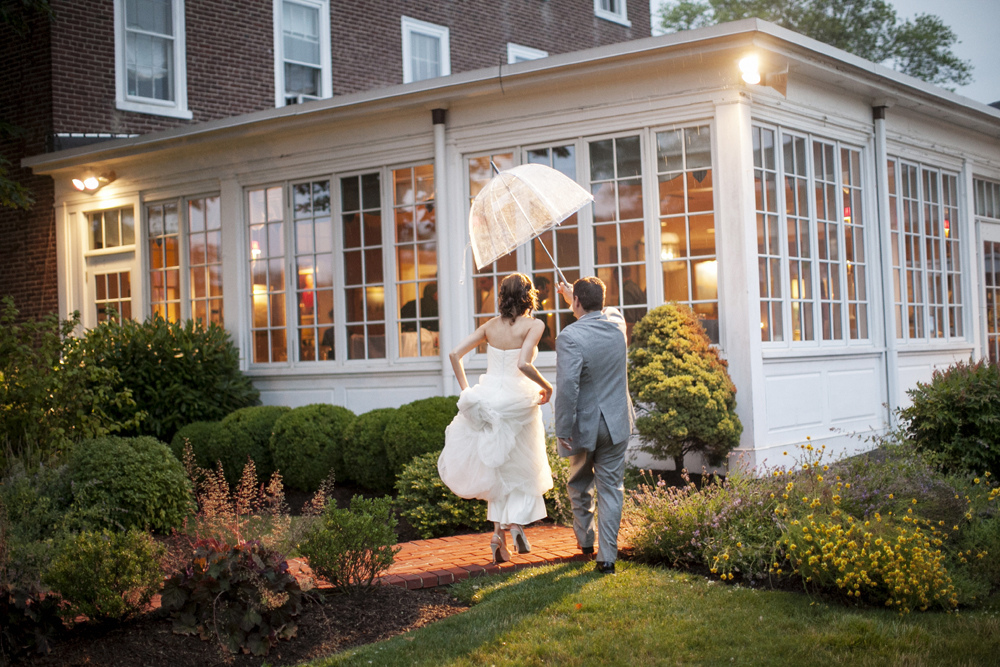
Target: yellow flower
[890, 496]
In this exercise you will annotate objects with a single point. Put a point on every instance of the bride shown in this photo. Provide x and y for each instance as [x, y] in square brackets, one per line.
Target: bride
[495, 447]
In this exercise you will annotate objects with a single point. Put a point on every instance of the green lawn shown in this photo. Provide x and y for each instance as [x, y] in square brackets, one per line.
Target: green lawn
[568, 615]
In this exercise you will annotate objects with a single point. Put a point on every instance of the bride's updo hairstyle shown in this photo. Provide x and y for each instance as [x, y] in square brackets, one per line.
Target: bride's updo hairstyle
[517, 295]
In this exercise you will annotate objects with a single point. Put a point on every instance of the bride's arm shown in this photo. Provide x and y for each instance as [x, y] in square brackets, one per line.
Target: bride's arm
[528, 353]
[472, 340]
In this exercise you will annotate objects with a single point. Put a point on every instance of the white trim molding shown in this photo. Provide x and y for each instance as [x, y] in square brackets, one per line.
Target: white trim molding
[517, 53]
[615, 11]
[411, 27]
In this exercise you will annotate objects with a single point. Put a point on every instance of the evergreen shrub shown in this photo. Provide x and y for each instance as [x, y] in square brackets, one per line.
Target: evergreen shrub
[683, 395]
[956, 417]
[200, 435]
[430, 507]
[418, 428]
[178, 372]
[106, 576]
[307, 444]
[246, 433]
[136, 479]
[365, 457]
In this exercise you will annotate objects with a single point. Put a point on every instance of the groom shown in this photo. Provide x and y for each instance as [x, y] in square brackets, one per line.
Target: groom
[594, 417]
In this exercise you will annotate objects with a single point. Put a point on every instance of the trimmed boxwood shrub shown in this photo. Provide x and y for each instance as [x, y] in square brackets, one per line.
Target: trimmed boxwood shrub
[178, 372]
[137, 480]
[365, 458]
[417, 428]
[246, 433]
[307, 444]
[200, 435]
[430, 506]
[956, 417]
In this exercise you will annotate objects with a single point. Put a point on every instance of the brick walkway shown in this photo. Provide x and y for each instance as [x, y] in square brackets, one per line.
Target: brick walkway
[445, 560]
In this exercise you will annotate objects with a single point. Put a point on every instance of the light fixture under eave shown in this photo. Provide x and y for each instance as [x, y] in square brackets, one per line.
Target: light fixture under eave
[94, 182]
[751, 74]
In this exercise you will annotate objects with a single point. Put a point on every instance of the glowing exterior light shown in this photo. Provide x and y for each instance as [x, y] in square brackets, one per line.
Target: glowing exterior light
[78, 184]
[750, 70]
[91, 183]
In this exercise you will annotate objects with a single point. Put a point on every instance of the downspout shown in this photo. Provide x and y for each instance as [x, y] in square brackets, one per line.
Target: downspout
[438, 118]
[885, 262]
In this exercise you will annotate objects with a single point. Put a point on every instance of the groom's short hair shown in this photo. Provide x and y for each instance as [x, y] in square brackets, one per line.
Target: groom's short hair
[590, 291]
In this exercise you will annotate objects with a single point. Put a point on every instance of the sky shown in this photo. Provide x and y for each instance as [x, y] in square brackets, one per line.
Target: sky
[975, 23]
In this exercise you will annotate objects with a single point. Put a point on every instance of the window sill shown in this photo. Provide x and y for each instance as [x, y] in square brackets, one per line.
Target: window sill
[154, 109]
[104, 252]
[614, 18]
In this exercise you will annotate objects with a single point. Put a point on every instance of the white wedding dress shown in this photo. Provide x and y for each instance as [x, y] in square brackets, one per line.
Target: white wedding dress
[494, 449]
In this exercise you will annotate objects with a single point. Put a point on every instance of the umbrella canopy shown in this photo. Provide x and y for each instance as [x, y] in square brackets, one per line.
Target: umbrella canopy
[519, 204]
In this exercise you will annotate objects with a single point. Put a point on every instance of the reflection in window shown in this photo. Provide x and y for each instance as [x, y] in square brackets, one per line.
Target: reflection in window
[267, 275]
[364, 282]
[926, 251]
[415, 246]
[164, 261]
[769, 236]
[687, 222]
[619, 234]
[313, 269]
[991, 267]
[113, 296]
[111, 228]
[563, 241]
[205, 259]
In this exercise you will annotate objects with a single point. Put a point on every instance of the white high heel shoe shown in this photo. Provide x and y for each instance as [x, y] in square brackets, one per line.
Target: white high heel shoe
[498, 545]
[521, 544]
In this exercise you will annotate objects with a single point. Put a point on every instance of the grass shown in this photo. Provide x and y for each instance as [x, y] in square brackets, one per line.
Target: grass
[568, 615]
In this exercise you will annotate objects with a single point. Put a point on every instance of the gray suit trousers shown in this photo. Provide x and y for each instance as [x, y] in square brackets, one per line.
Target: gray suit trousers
[602, 469]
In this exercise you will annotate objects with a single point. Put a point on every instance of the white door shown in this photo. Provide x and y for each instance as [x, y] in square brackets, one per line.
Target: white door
[990, 235]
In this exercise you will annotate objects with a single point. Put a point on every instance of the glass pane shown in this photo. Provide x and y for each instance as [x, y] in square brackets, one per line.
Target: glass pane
[675, 281]
[629, 160]
[669, 155]
[128, 226]
[699, 147]
[602, 166]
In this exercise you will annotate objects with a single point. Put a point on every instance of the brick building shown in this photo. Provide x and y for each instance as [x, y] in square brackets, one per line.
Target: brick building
[68, 80]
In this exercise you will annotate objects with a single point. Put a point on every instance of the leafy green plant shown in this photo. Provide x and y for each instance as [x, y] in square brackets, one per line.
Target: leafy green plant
[306, 444]
[179, 372]
[246, 433]
[106, 576]
[199, 435]
[557, 503]
[242, 595]
[956, 417]
[682, 391]
[51, 395]
[430, 506]
[417, 428]
[351, 547]
[137, 479]
[365, 453]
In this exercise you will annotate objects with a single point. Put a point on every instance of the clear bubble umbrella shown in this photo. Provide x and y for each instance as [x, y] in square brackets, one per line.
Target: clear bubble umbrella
[517, 205]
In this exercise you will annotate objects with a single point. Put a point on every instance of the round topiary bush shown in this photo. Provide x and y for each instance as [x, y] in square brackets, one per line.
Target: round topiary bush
[418, 428]
[365, 458]
[307, 444]
[956, 417]
[137, 479]
[242, 434]
[200, 435]
[430, 506]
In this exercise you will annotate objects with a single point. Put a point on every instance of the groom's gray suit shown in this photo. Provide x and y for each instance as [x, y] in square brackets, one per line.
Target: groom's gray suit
[594, 410]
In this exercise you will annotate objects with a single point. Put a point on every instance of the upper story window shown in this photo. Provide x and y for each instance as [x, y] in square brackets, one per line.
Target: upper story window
[151, 75]
[302, 61]
[518, 54]
[426, 50]
[111, 228]
[612, 10]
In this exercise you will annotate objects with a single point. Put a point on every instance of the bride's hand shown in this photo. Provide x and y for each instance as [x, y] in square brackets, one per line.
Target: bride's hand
[546, 394]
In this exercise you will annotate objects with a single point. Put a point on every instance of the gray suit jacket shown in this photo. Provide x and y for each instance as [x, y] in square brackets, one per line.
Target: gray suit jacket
[592, 380]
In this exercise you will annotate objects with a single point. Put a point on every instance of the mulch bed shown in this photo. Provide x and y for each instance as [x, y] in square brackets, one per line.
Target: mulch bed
[328, 624]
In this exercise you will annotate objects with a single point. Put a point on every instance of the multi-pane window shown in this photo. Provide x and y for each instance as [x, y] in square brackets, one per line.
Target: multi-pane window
[267, 275]
[687, 222]
[111, 228]
[987, 207]
[113, 294]
[926, 251]
[812, 269]
[164, 260]
[987, 197]
[618, 227]
[303, 51]
[149, 49]
[205, 259]
[426, 50]
[415, 245]
[364, 278]
[313, 269]
[486, 282]
[612, 10]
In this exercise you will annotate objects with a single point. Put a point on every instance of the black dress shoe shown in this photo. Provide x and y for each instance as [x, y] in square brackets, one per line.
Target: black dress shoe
[587, 551]
[605, 567]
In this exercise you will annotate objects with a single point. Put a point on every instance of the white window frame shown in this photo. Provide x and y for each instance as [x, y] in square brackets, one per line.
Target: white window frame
[178, 107]
[620, 16]
[325, 57]
[411, 26]
[517, 53]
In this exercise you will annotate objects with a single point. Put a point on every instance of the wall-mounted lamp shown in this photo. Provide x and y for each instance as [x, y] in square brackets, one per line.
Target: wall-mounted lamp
[92, 183]
[750, 72]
